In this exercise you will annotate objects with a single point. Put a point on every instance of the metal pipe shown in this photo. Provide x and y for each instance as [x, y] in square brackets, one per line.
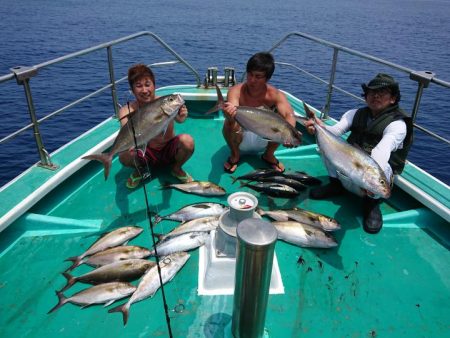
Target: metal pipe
[43, 154]
[326, 108]
[112, 81]
[255, 251]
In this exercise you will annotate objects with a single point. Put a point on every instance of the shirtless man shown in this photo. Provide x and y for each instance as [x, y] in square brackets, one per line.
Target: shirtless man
[254, 92]
[167, 149]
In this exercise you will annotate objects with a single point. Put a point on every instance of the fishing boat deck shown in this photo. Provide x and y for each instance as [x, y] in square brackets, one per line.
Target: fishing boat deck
[393, 284]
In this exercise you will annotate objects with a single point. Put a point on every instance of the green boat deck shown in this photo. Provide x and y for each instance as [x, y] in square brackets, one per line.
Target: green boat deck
[393, 284]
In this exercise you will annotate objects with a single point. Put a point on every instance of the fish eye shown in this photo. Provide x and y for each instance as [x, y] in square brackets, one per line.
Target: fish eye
[382, 182]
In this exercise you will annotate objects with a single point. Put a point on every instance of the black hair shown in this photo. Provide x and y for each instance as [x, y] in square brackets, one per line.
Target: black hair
[262, 62]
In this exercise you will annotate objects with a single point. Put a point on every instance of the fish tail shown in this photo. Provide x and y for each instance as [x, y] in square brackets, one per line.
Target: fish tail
[157, 219]
[234, 179]
[219, 104]
[106, 159]
[70, 281]
[76, 262]
[61, 301]
[125, 309]
[308, 112]
[242, 184]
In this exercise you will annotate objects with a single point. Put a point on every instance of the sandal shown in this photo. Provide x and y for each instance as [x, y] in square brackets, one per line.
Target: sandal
[232, 166]
[132, 181]
[183, 178]
[274, 165]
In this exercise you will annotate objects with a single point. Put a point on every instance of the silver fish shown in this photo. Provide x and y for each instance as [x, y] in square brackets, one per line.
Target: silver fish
[107, 240]
[150, 282]
[193, 211]
[195, 225]
[202, 188]
[351, 161]
[304, 235]
[183, 242]
[106, 293]
[148, 122]
[303, 216]
[118, 253]
[121, 271]
[263, 122]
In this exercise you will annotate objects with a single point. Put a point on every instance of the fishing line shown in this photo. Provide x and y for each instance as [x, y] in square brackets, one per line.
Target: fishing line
[149, 217]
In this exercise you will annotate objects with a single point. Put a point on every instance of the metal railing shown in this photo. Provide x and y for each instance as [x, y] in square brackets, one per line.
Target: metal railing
[423, 78]
[22, 75]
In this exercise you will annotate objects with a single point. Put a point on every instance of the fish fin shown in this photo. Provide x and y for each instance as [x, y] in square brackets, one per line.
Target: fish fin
[61, 301]
[104, 158]
[77, 261]
[308, 112]
[109, 303]
[157, 219]
[341, 174]
[219, 104]
[70, 281]
[125, 309]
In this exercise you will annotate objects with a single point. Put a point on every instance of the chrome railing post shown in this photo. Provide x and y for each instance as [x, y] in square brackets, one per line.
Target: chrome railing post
[423, 79]
[23, 75]
[326, 108]
[112, 80]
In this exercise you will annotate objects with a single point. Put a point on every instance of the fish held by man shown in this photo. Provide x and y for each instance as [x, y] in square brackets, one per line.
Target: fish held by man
[351, 162]
[106, 294]
[263, 122]
[304, 235]
[203, 188]
[193, 211]
[150, 283]
[148, 121]
[121, 271]
[107, 240]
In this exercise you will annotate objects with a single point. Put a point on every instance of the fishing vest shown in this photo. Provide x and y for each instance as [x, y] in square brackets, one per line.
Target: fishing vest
[367, 136]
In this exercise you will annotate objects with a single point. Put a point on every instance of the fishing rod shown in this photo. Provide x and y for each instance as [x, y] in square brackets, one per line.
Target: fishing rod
[147, 206]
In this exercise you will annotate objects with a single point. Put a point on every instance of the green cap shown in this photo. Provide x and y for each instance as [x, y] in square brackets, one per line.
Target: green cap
[381, 81]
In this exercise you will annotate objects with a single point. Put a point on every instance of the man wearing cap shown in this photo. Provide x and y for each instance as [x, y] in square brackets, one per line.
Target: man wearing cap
[381, 129]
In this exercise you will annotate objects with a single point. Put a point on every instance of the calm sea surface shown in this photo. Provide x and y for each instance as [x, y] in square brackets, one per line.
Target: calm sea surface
[413, 33]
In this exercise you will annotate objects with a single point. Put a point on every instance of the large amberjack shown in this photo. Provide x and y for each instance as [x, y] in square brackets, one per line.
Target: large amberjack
[148, 121]
[350, 161]
[263, 122]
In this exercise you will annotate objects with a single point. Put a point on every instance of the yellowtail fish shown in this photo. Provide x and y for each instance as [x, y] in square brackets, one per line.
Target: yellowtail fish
[148, 121]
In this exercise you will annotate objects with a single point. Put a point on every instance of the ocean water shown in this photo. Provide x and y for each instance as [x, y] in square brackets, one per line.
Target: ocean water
[412, 33]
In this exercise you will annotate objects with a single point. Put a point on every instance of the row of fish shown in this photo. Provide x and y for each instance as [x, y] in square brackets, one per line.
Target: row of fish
[276, 184]
[296, 226]
[116, 266]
